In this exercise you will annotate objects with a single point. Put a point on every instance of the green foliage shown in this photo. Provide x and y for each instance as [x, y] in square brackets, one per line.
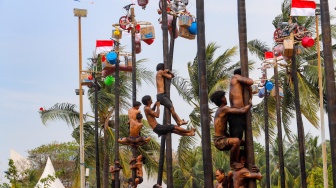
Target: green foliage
[5, 185]
[315, 178]
[47, 181]
[12, 174]
[25, 179]
[63, 156]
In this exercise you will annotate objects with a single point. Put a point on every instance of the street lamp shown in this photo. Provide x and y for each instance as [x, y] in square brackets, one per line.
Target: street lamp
[324, 150]
[77, 91]
[80, 13]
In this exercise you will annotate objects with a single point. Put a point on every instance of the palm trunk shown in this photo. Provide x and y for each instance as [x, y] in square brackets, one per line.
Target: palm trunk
[161, 159]
[330, 81]
[96, 132]
[167, 114]
[299, 122]
[203, 93]
[133, 60]
[244, 67]
[116, 124]
[280, 146]
[106, 162]
[134, 148]
[165, 61]
[268, 177]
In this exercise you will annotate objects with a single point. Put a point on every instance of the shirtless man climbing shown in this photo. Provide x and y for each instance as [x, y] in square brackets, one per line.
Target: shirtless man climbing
[161, 95]
[152, 114]
[237, 84]
[139, 161]
[135, 129]
[237, 122]
[222, 140]
[240, 173]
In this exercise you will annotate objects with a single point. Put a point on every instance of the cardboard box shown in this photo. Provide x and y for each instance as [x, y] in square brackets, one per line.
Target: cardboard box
[288, 47]
[255, 89]
[185, 20]
[184, 32]
[85, 79]
[114, 34]
[147, 32]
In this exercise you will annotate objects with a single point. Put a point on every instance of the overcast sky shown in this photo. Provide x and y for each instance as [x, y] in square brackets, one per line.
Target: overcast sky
[39, 57]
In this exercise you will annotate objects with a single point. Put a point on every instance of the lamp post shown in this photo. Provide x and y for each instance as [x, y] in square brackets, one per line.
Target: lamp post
[324, 150]
[80, 13]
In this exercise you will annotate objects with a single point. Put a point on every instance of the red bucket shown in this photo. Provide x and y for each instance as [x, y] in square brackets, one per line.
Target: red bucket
[307, 42]
[268, 55]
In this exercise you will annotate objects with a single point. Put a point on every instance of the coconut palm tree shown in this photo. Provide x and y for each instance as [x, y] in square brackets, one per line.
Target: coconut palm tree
[67, 113]
[191, 173]
[290, 169]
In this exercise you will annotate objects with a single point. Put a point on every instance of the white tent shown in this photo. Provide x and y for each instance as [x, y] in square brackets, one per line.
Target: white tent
[20, 162]
[49, 170]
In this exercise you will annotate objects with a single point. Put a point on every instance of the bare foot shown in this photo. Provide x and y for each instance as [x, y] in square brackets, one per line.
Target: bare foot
[182, 122]
[192, 132]
[121, 140]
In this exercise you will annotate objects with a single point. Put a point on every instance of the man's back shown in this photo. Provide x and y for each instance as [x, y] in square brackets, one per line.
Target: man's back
[132, 112]
[135, 128]
[220, 121]
[236, 92]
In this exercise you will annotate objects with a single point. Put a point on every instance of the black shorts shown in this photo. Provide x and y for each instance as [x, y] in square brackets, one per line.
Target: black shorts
[163, 129]
[113, 184]
[237, 124]
[164, 100]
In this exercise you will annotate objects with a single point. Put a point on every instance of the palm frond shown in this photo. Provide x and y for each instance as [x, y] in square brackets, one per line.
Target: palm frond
[61, 111]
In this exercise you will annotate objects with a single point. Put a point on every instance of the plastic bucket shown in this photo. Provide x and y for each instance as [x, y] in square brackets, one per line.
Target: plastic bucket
[109, 80]
[111, 57]
[193, 28]
[307, 42]
[149, 41]
[269, 85]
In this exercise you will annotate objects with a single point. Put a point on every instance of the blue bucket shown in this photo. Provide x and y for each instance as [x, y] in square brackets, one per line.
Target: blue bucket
[269, 85]
[193, 28]
[111, 57]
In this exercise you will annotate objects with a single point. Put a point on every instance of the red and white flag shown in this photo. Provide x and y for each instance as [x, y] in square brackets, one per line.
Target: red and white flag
[303, 8]
[103, 46]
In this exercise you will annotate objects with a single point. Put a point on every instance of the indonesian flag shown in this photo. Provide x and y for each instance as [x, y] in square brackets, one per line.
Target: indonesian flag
[103, 46]
[303, 8]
